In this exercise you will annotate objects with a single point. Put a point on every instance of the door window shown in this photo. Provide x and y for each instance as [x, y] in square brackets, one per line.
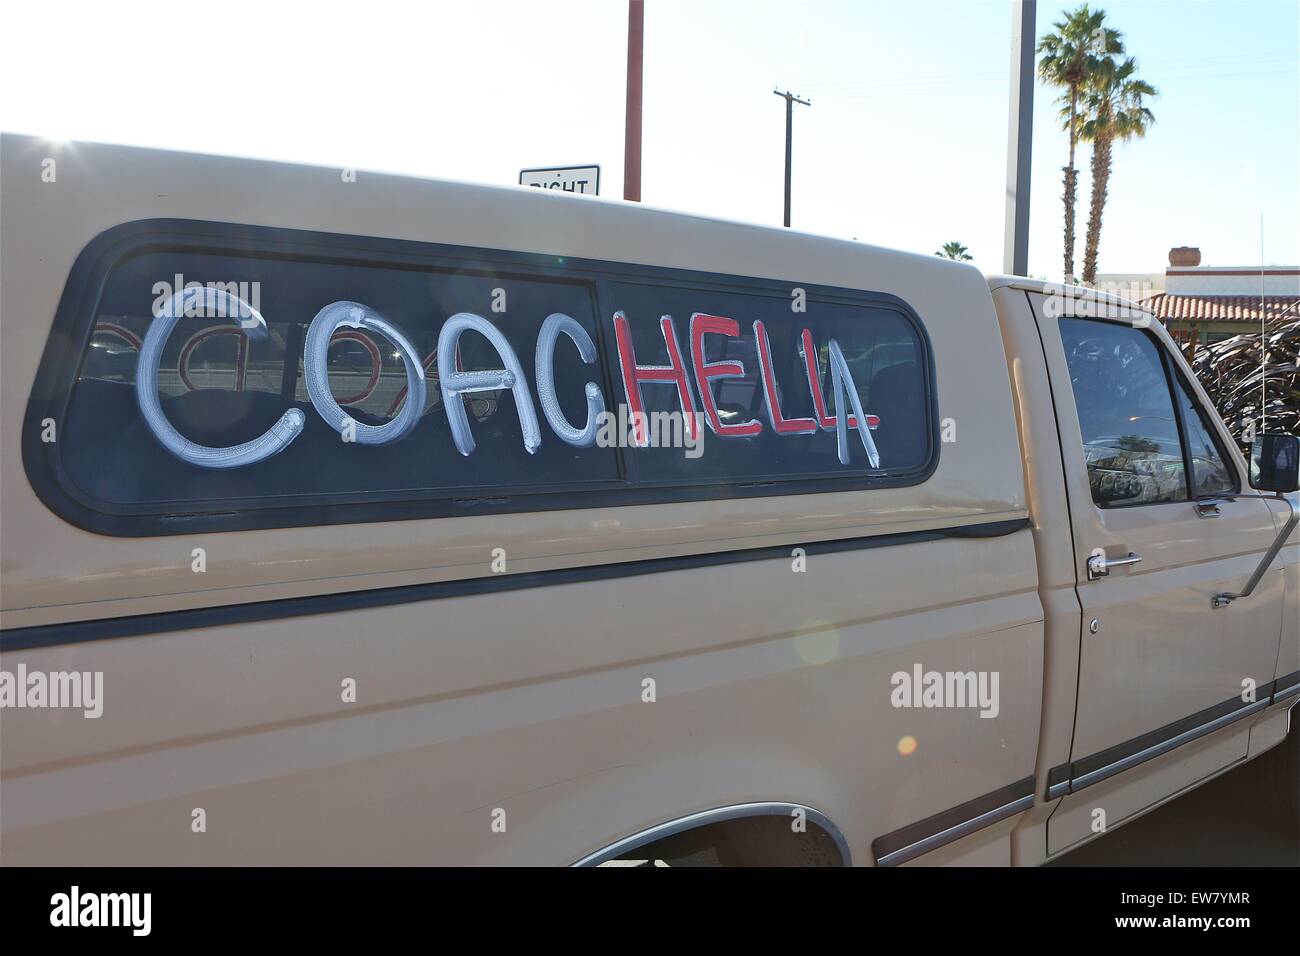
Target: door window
[1126, 414]
[1211, 474]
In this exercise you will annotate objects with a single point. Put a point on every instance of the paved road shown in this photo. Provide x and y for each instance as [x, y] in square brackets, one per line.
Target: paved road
[1218, 824]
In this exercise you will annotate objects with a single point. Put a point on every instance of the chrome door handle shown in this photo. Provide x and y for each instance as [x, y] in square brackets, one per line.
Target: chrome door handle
[1099, 565]
[1208, 507]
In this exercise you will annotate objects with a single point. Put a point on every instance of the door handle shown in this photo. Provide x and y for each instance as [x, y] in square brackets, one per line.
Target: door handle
[1208, 507]
[1099, 565]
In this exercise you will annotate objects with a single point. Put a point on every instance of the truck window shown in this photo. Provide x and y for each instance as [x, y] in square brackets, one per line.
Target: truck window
[882, 350]
[254, 420]
[1126, 414]
[1211, 475]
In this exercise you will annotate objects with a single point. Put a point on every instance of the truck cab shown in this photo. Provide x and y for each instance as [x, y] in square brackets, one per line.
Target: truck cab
[1145, 516]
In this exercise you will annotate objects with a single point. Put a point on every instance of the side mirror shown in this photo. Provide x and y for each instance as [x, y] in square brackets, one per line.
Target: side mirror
[1275, 463]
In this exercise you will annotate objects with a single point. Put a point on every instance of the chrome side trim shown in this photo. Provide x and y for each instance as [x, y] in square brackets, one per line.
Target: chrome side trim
[1286, 693]
[1156, 750]
[719, 815]
[166, 622]
[1074, 775]
[922, 836]
[944, 837]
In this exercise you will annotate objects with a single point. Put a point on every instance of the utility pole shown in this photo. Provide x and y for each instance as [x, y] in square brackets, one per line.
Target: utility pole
[790, 100]
[1020, 135]
[632, 119]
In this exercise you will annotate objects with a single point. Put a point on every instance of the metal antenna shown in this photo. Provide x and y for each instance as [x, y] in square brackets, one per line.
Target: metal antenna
[1263, 338]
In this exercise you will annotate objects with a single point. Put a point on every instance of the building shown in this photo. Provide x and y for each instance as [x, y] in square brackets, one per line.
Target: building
[1202, 304]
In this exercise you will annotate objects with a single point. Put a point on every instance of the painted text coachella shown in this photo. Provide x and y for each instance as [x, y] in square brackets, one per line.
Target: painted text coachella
[691, 380]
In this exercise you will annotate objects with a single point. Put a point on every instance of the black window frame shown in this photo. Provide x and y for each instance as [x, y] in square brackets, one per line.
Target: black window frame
[1175, 376]
[73, 325]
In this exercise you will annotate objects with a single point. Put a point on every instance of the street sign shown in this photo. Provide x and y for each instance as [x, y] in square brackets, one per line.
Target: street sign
[571, 179]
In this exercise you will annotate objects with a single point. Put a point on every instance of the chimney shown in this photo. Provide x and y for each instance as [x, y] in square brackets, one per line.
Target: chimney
[1184, 256]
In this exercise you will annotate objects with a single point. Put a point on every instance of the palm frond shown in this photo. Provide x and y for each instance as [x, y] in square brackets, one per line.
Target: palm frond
[1255, 376]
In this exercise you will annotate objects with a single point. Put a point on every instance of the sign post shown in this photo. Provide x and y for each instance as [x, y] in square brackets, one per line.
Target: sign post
[570, 179]
[632, 116]
[1020, 135]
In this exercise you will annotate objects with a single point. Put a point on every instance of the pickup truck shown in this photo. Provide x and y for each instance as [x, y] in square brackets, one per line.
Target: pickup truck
[723, 543]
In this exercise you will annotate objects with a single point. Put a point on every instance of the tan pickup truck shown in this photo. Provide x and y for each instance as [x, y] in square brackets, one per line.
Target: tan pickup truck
[348, 518]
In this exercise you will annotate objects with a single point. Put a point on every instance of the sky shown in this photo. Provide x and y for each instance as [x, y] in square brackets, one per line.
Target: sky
[904, 144]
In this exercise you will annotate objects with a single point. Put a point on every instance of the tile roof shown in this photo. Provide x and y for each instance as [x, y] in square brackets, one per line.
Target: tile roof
[1220, 308]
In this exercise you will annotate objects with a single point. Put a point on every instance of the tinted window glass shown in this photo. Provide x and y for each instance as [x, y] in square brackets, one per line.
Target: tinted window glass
[1126, 414]
[219, 388]
[881, 349]
[263, 386]
[1211, 474]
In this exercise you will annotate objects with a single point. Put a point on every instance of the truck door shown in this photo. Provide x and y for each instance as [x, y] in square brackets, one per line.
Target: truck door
[1160, 526]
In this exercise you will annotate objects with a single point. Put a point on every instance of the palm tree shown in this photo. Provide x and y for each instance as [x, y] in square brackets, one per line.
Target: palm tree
[954, 250]
[1114, 110]
[1070, 55]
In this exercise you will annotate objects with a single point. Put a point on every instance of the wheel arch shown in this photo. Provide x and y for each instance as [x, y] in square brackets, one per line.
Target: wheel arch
[719, 815]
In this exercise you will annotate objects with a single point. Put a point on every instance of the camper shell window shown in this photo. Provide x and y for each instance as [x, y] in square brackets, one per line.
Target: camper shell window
[285, 365]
